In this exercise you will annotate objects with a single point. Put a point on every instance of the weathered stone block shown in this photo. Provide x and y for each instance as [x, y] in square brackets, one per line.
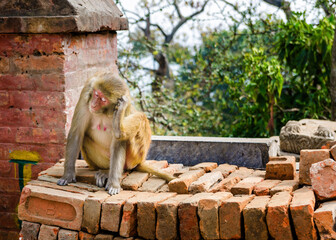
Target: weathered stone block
[29, 230]
[208, 214]
[112, 210]
[255, 219]
[325, 220]
[286, 185]
[92, 210]
[146, 214]
[67, 235]
[246, 185]
[263, 188]
[302, 212]
[278, 220]
[167, 220]
[181, 184]
[282, 168]
[187, 214]
[205, 182]
[230, 216]
[307, 158]
[323, 179]
[226, 169]
[43, 205]
[48, 232]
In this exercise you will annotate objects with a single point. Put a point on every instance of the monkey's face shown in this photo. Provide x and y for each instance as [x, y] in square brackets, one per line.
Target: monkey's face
[98, 102]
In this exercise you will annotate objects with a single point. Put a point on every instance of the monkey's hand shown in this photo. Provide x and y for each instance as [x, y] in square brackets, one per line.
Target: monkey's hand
[101, 178]
[66, 179]
[118, 115]
[112, 188]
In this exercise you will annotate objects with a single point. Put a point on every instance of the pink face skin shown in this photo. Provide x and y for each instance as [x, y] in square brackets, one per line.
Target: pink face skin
[98, 101]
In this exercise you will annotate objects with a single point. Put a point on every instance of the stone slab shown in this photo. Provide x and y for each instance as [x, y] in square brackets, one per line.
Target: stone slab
[247, 152]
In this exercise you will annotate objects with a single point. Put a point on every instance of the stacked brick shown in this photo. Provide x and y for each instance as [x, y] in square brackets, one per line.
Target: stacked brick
[251, 207]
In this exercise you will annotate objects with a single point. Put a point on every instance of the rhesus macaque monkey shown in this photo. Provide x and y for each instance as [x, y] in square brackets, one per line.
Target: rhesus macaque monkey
[110, 133]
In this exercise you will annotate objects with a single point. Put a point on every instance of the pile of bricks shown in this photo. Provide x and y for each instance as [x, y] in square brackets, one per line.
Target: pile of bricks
[205, 201]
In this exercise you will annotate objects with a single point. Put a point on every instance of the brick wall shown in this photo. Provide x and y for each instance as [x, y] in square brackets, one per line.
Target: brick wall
[41, 76]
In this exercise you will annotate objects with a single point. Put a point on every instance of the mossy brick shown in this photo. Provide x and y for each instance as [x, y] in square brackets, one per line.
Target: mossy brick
[285, 186]
[146, 214]
[29, 230]
[51, 207]
[188, 218]
[282, 168]
[64, 234]
[128, 224]
[208, 214]
[246, 185]
[307, 158]
[112, 209]
[48, 232]
[278, 216]
[325, 220]
[167, 220]
[205, 182]
[92, 211]
[206, 166]
[182, 183]
[263, 188]
[302, 212]
[255, 219]
[225, 185]
[231, 217]
[226, 169]
[323, 179]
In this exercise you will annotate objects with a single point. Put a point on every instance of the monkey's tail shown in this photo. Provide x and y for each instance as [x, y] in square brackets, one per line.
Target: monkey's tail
[144, 167]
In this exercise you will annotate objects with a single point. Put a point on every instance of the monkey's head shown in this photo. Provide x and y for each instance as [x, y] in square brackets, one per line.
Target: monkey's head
[107, 88]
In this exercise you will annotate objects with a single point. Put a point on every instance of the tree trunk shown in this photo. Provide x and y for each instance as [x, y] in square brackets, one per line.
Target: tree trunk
[333, 80]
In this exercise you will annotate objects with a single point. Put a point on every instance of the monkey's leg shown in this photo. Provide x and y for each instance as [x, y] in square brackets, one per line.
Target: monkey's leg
[117, 162]
[101, 178]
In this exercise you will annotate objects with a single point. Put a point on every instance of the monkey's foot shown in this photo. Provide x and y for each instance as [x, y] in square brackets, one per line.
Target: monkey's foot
[101, 179]
[113, 189]
[66, 179]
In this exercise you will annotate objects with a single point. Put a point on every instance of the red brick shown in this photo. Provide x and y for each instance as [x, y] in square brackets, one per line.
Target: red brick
[325, 220]
[187, 213]
[246, 186]
[173, 168]
[258, 173]
[128, 224]
[92, 210]
[4, 65]
[330, 144]
[104, 237]
[153, 184]
[9, 221]
[38, 64]
[9, 202]
[48, 232]
[323, 175]
[255, 219]
[302, 212]
[4, 99]
[182, 183]
[134, 180]
[263, 188]
[29, 230]
[7, 134]
[205, 182]
[9, 235]
[206, 166]
[278, 219]
[286, 185]
[230, 216]
[208, 214]
[146, 214]
[64, 234]
[85, 236]
[39, 204]
[282, 168]
[242, 173]
[7, 169]
[40, 135]
[307, 158]
[225, 169]
[112, 210]
[225, 185]
[167, 221]
[9, 185]
[15, 118]
[333, 152]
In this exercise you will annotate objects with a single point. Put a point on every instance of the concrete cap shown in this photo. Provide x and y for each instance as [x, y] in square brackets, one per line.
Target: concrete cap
[45, 16]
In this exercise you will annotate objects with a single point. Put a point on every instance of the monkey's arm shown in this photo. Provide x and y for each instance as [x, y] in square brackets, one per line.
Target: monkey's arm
[79, 124]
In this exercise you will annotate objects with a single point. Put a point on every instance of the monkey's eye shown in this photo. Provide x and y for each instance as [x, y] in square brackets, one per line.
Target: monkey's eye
[103, 99]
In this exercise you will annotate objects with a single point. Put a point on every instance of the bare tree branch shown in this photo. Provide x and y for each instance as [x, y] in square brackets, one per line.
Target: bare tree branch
[282, 4]
[177, 8]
